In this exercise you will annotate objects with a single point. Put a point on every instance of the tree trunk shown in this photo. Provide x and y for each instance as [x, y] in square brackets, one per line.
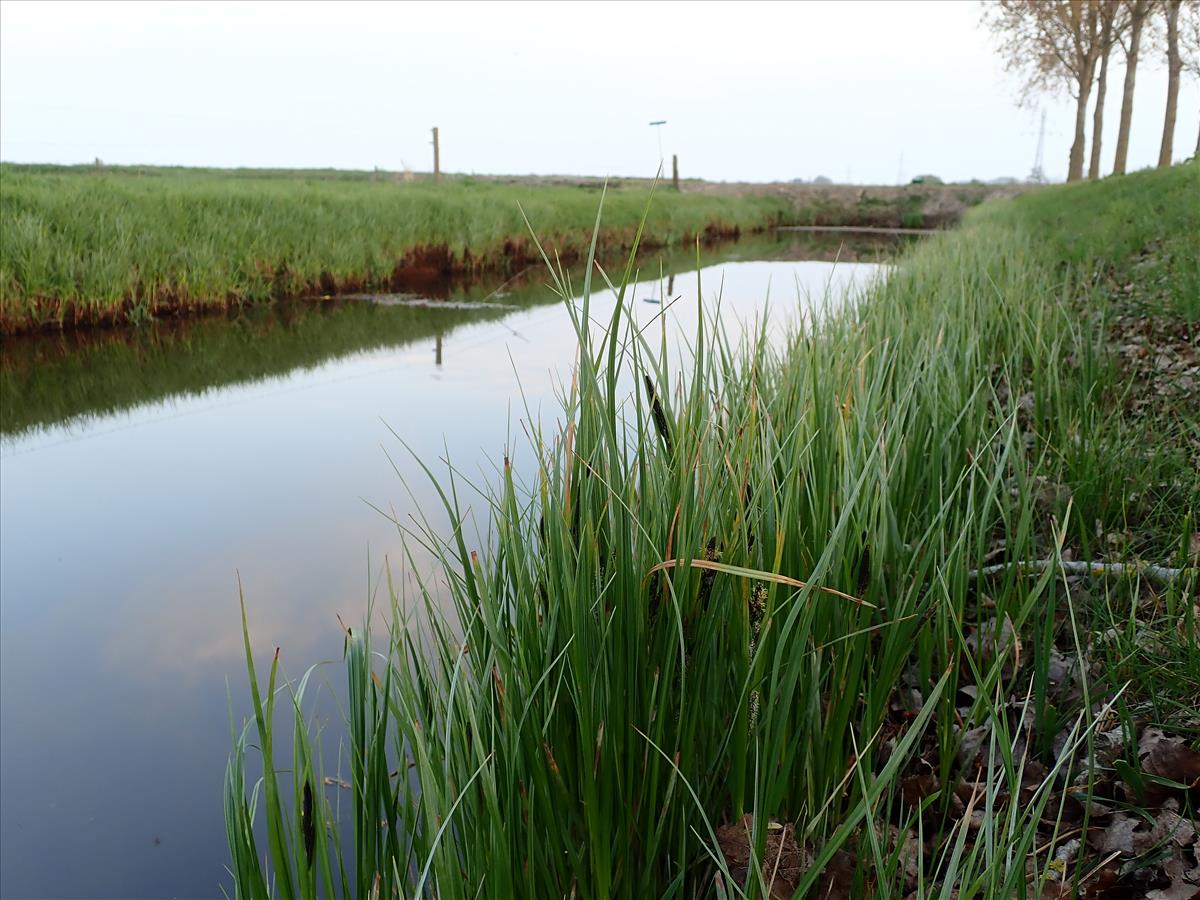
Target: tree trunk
[1131, 61]
[1098, 116]
[1174, 66]
[1075, 167]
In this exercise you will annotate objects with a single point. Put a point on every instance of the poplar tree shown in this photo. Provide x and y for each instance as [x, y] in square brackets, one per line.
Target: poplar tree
[1112, 21]
[1135, 14]
[1052, 43]
[1170, 13]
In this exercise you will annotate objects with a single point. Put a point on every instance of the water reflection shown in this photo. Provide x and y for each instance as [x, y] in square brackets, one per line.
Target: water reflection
[71, 378]
[140, 475]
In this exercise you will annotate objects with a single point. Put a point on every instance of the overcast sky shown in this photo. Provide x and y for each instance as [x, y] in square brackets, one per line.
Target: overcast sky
[856, 91]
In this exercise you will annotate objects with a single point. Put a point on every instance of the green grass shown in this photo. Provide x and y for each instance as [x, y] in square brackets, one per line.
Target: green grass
[87, 244]
[654, 642]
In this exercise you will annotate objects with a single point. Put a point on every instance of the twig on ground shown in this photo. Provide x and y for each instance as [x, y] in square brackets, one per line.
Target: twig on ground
[1160, 575]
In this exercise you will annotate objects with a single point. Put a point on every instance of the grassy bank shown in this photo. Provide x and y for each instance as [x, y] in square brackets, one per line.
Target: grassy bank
[803, 620]
[88, 245]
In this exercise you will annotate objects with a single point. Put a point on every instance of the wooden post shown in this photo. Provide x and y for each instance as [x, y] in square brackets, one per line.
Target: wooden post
[437, 159]
[437, 352]
[675, 171]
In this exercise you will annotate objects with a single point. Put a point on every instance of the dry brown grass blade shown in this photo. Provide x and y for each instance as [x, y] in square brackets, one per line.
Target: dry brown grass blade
[739, 571]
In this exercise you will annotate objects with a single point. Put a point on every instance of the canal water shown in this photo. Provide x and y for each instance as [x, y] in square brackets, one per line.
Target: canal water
[141, 473]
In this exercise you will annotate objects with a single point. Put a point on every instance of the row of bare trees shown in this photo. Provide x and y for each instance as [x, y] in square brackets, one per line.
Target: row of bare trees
[1054, 44]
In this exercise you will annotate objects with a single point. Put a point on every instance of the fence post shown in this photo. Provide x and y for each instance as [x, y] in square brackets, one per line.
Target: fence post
[675, 171]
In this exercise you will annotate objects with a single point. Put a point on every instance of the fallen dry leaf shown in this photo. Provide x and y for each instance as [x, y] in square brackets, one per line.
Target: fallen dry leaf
[1118, 837]
[784, 861]
[1180, 888]
[1170, 758]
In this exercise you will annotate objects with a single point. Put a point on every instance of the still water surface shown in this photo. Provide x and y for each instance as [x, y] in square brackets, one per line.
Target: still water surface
[140, 475]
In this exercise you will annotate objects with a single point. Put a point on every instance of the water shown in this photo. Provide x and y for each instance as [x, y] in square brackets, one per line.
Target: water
[140, 474]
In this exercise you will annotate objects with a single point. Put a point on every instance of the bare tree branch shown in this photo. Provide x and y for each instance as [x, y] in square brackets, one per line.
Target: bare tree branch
[1160, 575]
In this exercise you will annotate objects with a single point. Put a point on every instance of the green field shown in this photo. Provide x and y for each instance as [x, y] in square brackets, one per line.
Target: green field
[86, 244]
[802, 620]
